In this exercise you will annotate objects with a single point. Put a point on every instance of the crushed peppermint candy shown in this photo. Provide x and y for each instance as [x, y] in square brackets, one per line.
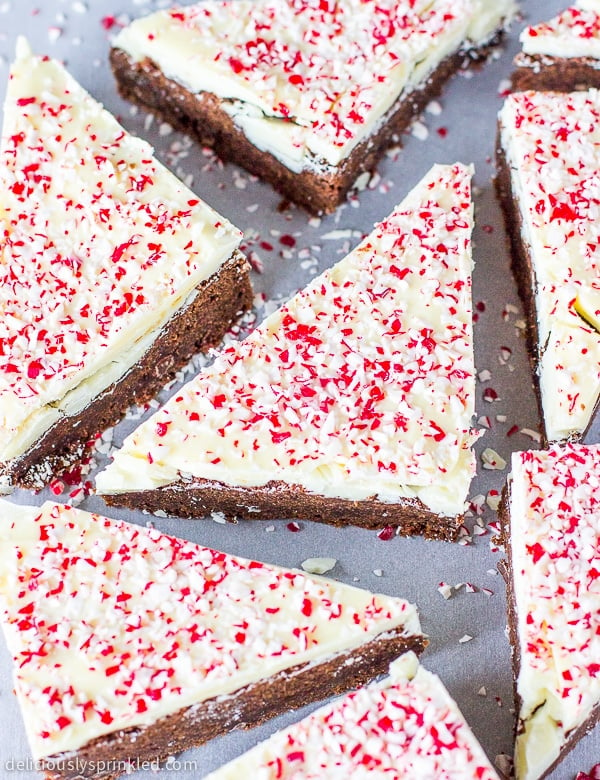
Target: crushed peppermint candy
[491, 459]
[493, 499]
[593, 774]
[446, 590]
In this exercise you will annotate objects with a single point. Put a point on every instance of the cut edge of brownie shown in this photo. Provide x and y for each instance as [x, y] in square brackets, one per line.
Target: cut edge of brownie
[554, 74]
[248, 707]
[506, 570]
[522, 267]
[200, 115]
[194, 327]
[196, 498]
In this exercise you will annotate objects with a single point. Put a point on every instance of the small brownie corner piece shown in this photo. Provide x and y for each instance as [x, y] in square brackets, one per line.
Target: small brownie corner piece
[561, 54]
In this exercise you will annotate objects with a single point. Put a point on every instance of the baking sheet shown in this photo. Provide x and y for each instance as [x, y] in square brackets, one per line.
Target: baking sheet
[468, 646]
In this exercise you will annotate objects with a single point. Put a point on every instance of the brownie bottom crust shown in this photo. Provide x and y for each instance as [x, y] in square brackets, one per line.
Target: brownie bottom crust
[202, 116]
[198, 326]
[275, 500]
[245, 708]
[555, 74]
[522, 267]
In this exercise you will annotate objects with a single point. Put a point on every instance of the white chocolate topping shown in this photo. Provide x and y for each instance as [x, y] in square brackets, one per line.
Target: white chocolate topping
[552, 144]
[100, 246]
[575, 32]
[308, 80]
[362, 385]
[405, 726]
[555, 544]
[113, 625]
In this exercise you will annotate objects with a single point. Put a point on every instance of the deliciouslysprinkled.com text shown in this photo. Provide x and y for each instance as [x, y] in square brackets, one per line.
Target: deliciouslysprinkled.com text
[83, 766]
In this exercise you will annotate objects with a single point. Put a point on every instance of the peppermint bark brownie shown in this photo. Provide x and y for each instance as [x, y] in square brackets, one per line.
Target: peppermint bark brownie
[405, 726]
[113, 273]
[551, 519]
[305, 95]
[353, 403]
[548, 163]
[562, 54]
[130, 645]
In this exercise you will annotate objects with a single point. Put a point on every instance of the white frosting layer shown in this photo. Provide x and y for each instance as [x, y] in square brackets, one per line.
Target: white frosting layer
[555, 543]
[575, 32]
[552, 144]
[362, 385]
[113, 625]
[101, 245]
[307, 80]
[405, 726]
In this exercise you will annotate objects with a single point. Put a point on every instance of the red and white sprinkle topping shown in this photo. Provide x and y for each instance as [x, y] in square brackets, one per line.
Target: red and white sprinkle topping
[100, 245]
[328, 70]
[362, 385]
[552, 144]
[575, 32]
[113, 625]
[555, 549]
[405, 726]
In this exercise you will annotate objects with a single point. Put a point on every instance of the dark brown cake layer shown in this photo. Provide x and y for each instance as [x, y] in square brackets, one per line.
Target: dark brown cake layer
[555, 74]
[522, 267]
[275, 500]
[244, 708]
[203, 118]
[505, 568]
[199, 326]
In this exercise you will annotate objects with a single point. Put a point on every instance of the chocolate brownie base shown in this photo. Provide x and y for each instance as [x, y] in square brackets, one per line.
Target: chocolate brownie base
[522, 267]
[554, 74]
[202, 117]
[505, 569]
[244, 708]
[276, 500]
[196, 327]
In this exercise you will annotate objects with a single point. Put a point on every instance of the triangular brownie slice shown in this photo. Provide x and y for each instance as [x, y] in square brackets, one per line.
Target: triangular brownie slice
[113, 273]
[306, 95]
[130, 645]
[405, 726]
[548, 169]
[551, 523]
[352, 403]
[563, 53]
